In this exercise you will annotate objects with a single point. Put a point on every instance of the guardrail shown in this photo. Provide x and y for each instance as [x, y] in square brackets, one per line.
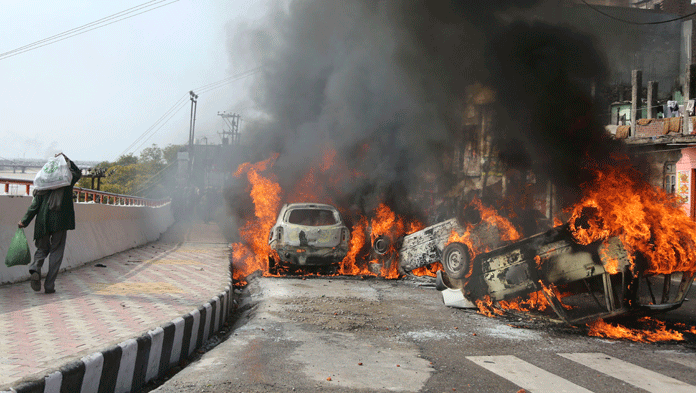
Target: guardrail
[86, 195]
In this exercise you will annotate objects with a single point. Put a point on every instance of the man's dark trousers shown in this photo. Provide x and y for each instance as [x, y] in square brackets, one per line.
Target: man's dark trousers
[53, 246]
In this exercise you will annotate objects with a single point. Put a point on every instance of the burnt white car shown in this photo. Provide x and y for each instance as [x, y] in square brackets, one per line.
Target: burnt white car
[308, 235]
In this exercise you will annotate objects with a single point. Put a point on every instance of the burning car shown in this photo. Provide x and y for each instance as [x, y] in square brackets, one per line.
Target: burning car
[428, 245]
[308, 235]
[580, 282]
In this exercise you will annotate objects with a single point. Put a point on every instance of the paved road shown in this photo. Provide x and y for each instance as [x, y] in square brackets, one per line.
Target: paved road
[353, 335]
[108, 301]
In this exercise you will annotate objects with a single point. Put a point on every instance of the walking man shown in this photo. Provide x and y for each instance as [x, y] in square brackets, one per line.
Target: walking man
[55, 215]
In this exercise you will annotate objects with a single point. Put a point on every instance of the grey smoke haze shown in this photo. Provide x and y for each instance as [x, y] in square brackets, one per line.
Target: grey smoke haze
[393, 75]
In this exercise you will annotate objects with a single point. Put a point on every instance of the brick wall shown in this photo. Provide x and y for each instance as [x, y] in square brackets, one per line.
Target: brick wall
[655, 127]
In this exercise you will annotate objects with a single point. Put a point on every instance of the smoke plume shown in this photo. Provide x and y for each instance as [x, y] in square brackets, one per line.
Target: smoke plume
[386, 83]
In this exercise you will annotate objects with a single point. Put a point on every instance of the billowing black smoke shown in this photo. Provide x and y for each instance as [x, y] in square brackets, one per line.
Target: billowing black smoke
[386, 84]
[548, 119]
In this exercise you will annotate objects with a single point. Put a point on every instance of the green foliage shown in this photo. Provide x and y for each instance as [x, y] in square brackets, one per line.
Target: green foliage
[151, 155]
[127, 159]
[170, 153]
[120, 179]
[149, 175]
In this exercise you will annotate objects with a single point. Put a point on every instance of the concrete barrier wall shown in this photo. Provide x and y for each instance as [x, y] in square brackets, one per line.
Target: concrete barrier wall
[100, 231]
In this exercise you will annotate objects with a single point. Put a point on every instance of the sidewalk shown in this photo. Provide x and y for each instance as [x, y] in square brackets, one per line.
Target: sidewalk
[157, 295]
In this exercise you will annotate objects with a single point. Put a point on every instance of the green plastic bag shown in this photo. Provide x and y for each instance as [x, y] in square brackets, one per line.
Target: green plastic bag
[18, 253]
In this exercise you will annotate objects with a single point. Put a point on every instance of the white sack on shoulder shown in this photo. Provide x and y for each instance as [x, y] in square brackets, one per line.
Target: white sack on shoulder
[54, 174]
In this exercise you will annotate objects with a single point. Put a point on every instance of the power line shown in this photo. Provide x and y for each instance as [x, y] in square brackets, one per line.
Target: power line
[152, 130]
[211, 87]
[227, 81]
[636, 23]
[175, 108]
[123, 15]
[158, 128]
[75, 29]
[146, 184]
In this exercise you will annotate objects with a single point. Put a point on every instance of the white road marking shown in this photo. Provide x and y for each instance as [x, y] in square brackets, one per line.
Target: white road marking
[688, 361]
[526, 375]
[630, 373]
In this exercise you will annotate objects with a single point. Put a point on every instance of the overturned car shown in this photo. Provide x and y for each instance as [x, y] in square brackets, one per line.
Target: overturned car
[580, 283]
[308, 235]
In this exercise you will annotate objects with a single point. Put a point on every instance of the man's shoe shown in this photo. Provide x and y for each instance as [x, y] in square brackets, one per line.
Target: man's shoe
[50, 291]
[36, 281]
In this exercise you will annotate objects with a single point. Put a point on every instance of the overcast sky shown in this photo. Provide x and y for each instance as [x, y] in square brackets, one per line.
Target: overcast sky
[93, 95]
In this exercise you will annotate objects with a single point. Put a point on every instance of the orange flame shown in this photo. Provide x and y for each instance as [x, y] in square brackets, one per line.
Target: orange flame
[507, 230]
[388, 224]
[349, 266]
[599, 328]
[538, 261]
[646, 219]
[385, 223]
[485, 307]
[429, 270]
[252, 253]
[552, 291]
[535, 301]
[612, 264]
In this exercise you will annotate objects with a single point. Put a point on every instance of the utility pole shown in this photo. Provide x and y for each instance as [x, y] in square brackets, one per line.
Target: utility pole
[194, 105]
[232, 121]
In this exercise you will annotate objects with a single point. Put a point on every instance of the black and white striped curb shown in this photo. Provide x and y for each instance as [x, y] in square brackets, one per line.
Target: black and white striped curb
[131, 364]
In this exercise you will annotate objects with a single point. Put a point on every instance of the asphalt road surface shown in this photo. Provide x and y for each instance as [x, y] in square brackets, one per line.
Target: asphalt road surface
[372, 335]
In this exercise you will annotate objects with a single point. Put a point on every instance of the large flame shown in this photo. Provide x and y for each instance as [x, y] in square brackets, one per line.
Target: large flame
[535, 301]
[388, 224]
[349, 265]
[619, 202]
[252, 254]
[428, 270]
[506, 231]
[659, 332]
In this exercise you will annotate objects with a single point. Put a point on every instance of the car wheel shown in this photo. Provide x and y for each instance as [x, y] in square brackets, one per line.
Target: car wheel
[455, 260]
[381, 245]
[330, 270]
[272, 266]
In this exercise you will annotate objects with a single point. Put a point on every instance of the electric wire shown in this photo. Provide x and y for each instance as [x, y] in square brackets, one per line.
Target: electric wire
[180, 103]
[150, 182]
[77, 28]
[123, 15]
[636, 23]
[181, 107]
[152, 130]
[158, 128]
[175, 108]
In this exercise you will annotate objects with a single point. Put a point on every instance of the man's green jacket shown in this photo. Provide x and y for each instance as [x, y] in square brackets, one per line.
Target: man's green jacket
[49, 221]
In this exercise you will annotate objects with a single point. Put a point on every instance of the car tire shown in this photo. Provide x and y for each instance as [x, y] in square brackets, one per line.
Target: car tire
[381, 245]
[330, 270]
[455, 260]
[272, 266]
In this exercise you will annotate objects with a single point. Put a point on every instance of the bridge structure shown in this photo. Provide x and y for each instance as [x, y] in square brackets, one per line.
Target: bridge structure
[22, 165]
[131, 275]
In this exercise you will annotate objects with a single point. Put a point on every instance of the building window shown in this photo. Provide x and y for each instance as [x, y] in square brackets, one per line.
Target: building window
[670, 177]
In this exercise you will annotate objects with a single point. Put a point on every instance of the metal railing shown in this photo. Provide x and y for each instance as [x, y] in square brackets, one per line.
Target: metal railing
[84, 195]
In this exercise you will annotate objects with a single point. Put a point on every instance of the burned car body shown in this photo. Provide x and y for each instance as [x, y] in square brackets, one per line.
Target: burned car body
[308, 234]
[426, 246]
[581, 283]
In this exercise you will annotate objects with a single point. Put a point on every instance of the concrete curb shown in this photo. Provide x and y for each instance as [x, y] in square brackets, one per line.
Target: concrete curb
[133, 363]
